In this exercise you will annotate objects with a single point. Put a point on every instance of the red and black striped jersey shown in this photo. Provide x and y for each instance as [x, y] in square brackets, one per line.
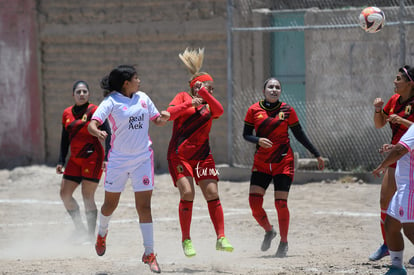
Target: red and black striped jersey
[82, 143]
[191, 128]
[273, 124]
[404, 110]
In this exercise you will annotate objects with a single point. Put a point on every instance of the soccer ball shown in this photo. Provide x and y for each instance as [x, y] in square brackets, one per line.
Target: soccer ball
[372, 19]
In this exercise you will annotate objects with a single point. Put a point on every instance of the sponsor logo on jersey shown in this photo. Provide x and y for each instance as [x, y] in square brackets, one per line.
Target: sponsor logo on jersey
[136, 122]
[408, 109]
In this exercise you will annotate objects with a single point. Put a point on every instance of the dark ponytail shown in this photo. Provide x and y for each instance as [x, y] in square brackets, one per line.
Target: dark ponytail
[116, 78]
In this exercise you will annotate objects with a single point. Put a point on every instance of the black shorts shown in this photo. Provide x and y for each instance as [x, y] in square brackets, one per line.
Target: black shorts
[281, 182]
[78, 179]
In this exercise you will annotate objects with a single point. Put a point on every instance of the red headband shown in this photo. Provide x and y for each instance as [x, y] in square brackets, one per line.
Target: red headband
[201, 78]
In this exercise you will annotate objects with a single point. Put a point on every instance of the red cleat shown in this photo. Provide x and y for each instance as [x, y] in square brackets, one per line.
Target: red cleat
[151, 260]
[100, 245]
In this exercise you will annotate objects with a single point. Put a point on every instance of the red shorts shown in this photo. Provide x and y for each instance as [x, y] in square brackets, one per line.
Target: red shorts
[89, 168]
[197, 169]
[286, 166]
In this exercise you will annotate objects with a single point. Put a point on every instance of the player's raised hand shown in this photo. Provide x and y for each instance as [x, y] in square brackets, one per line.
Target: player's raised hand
[378, 103]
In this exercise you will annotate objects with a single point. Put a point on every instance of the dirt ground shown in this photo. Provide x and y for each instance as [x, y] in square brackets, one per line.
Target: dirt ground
[334, 227]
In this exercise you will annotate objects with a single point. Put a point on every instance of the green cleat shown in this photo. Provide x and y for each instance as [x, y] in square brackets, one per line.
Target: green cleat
[224, 245]
[188, 248]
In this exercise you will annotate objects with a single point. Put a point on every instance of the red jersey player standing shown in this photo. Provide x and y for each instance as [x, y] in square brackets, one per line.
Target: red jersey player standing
[86, 158]
[189, 156]
[273, 160]
[399, 112]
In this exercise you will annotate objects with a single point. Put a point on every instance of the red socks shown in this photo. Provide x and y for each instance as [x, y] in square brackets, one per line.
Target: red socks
[256, 205]
[283, 216]
[383, 215]
[185, 212]
[216, 216]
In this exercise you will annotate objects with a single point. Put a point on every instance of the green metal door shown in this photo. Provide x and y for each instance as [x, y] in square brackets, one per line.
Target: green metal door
[288, 65]
[288, 57]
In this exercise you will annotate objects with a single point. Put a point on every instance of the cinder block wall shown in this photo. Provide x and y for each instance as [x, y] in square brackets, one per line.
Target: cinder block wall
[86, 39]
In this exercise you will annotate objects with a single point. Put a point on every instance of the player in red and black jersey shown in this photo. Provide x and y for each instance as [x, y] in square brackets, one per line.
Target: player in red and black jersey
[189, 155]
[399, 112]
[273, 160]
[86, 159]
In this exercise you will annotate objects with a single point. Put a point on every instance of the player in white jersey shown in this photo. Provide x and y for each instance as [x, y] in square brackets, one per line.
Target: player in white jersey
[400, 213]
[131, 157]
[129, 118]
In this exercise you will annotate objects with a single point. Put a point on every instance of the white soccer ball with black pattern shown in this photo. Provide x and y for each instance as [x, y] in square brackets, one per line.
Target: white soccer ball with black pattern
[372, 19]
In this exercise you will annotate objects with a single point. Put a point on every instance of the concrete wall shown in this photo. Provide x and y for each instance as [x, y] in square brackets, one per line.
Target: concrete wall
[86, 39]
[344, 61]
[346, 70]
[21, 106]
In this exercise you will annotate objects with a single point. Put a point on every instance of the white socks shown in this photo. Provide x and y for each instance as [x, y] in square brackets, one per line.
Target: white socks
[147, 232]
[397, 258]
[103, 224]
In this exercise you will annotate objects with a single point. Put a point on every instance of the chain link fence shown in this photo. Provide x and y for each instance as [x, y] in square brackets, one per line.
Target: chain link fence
[344, 69]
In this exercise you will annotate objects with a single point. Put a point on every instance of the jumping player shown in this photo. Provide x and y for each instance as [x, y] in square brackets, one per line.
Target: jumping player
[189, 156]
[270, 119]
[399, 112]
[85, 163]
[129, 112]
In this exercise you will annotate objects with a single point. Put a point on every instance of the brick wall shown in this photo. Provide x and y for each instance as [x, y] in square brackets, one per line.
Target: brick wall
[86, 39]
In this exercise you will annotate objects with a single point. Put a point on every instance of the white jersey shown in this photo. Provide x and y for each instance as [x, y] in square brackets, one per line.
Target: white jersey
[129, 119]
[405, 165]
[402, 204]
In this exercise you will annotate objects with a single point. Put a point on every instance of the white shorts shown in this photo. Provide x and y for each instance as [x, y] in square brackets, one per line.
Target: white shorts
[141, 175]
[401, 206]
